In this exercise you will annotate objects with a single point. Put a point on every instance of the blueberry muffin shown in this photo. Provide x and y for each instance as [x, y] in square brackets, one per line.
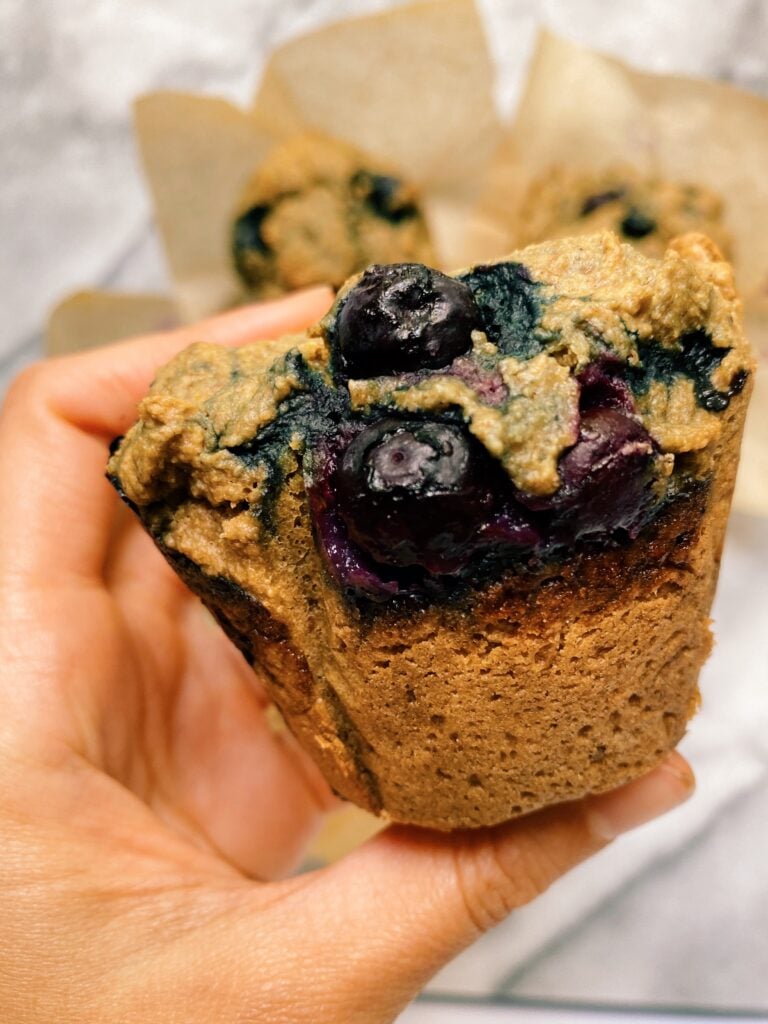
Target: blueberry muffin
[645, 210]
[316, 212]
[466, 529]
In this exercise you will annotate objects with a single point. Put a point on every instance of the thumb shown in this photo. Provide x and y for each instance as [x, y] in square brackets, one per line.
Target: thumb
[408, 901]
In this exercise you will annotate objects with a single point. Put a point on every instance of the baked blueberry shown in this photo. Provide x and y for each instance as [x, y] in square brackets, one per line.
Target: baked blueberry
[247, 240]
[637, 224]
[697, 357]
[403, 317]
[604, 478]
[598, 199]
[384, 195]
[603, 386]
[415, 493]
[507, 299]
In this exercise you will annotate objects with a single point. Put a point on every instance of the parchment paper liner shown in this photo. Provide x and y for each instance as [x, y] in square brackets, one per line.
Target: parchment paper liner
[587, 111]
[88, 319]
[411, 87]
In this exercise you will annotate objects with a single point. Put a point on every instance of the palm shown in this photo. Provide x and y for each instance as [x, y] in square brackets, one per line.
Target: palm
[170, 710]
[210, 760]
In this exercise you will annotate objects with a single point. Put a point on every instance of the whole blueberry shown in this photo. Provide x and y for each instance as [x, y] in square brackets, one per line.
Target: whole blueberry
[603, 386]
[415, 493]
[403, 317]
[604, 478]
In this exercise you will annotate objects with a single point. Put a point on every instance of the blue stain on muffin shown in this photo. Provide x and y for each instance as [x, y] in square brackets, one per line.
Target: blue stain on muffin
[412, 504]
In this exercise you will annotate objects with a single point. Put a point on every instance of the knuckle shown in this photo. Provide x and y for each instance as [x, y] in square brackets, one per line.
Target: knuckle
[490, 883]
[501, 873]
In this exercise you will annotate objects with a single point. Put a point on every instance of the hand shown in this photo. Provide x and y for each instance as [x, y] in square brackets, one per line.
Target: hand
[147, 811]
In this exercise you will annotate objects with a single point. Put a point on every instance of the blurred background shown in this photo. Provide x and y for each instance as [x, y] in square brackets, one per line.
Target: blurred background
[678, 920]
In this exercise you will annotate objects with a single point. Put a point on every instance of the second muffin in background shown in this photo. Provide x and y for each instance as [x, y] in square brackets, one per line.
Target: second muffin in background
[646, 210]
[319, 210]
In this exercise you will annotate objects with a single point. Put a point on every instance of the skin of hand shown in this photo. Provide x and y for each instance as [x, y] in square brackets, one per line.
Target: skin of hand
[149, 816]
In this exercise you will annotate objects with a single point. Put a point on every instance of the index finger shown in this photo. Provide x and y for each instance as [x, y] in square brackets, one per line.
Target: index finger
[60, 415]
[99, 390]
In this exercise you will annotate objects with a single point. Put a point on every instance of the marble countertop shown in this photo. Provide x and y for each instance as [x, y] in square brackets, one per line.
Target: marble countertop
[690, 928]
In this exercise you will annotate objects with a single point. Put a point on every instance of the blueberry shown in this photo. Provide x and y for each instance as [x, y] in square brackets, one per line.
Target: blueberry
[384, 196]
[403, 317]
[247, 240]
[604, 478]
[415, 493]
[717, 401]
[345, 560]
[637, 224]
[594, 202]
[603, 386]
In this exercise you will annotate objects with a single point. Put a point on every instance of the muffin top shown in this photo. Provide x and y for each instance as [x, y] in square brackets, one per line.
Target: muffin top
[317, 211]
[448, 427]
[645, 210]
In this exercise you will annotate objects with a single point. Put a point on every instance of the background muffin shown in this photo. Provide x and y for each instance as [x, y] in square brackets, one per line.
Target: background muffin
[645, 210]
[317, 211]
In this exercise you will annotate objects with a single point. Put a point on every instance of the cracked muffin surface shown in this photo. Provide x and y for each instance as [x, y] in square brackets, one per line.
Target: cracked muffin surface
[467, 528]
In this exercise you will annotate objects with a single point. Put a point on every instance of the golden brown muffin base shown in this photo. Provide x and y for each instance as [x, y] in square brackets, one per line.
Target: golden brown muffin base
[543, 687]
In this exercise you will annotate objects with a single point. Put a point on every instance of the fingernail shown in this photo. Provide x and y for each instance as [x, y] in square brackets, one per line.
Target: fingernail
[663, 789]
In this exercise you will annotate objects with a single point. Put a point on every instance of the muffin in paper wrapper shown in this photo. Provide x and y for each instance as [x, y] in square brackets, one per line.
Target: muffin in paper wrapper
[584, 113]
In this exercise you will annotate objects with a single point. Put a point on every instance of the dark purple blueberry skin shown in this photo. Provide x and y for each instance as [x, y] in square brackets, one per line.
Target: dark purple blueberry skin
[603, 387]
[403, 317]
[416, 493]
[346, 562]
[247, 238]
[382, 194]
[604, 479]
[511, 528]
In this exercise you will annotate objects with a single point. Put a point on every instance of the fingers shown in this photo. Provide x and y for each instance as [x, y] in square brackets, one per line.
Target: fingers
[58, 418]
[99, 390]
[231, 774]
[407, 902]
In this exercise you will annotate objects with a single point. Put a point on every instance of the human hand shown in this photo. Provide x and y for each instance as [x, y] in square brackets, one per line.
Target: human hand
[149, 814]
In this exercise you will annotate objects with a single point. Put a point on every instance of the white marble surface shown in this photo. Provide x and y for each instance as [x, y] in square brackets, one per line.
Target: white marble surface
[691, 927]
